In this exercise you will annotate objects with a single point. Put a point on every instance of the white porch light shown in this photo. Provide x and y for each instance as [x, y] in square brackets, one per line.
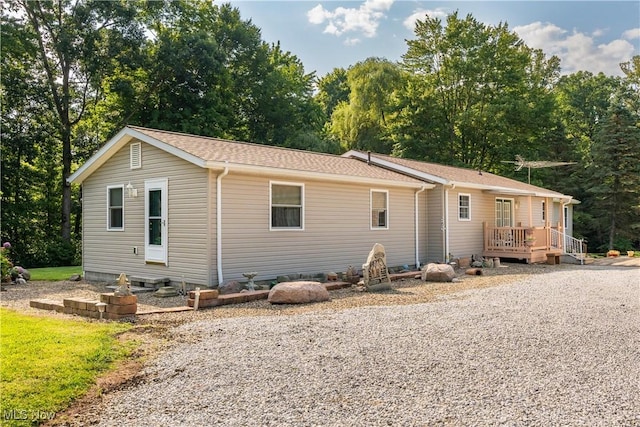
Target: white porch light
[131, 192]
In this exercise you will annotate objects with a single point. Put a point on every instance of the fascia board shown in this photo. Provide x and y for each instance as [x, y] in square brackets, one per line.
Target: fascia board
[297, 174]
[507, 190]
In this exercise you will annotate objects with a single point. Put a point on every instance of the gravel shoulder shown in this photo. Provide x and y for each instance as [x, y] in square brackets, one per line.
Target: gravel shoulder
[537, 345]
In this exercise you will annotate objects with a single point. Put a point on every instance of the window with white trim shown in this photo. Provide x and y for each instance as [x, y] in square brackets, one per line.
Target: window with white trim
[115, 208]
[135, 155]
[287, 206]
[544, 212]
[464, 207]
[379, 209]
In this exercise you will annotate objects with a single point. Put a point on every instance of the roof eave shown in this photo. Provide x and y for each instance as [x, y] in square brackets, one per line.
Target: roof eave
[297, 174]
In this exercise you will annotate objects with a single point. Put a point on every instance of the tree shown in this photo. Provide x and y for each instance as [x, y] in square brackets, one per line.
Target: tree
[29, 155]
[76, 44]
[283, 109]
[477, 94]
[362, 122]
[333, 88]
[615, 174]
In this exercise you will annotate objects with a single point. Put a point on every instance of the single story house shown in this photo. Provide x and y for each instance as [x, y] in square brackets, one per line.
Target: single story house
[206, 210]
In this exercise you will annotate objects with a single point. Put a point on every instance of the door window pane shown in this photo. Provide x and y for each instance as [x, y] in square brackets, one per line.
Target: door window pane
[155, 217]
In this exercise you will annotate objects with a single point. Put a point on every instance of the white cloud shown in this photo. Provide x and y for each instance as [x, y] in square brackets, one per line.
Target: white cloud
[352, 42]
[577, 51]
[317, 15]
[410, 21]
[631, 34]
[364, 19]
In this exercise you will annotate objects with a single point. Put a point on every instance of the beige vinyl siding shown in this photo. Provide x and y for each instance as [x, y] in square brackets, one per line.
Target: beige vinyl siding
[435, 241]
[423, 227]
[108, 253]
[556, 214]
[336, 228]
[569, 229]
[465, 237]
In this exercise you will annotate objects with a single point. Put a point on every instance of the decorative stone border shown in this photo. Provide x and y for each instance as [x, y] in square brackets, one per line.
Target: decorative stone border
[116, 307]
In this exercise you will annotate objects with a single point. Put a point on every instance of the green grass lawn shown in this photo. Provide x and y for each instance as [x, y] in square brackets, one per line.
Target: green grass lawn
[54, 274]
[46, 363]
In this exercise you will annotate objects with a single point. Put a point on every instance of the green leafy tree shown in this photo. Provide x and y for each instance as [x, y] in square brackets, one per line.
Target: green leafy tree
[76, 43]
[477, 94]
[333, 88]
[362, 122]
[284, 112]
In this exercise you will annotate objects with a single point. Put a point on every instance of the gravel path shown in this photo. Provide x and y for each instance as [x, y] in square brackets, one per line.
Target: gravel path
[556, 349]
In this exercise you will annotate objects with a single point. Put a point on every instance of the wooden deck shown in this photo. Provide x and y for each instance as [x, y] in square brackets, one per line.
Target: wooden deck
[532, 244]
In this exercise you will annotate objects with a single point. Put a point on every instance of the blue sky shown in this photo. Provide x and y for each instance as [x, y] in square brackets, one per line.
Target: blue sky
[593, 36]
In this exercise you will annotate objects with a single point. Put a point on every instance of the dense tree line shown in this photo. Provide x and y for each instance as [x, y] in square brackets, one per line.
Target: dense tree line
[465, 93]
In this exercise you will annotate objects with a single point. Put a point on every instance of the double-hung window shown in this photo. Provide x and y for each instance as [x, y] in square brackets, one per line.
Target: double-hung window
[379, 209]
[287, 206]
[464, 207]
[115, 208]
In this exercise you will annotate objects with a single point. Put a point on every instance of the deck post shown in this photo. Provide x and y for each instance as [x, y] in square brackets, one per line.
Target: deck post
[485, 236]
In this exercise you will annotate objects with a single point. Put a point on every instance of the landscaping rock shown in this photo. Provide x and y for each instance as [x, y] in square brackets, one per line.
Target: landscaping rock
[17, 271]
[231, 287]
[75, 278]
[298, 293]
[438, 273]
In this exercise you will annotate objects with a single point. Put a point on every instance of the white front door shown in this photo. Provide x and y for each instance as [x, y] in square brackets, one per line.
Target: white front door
[155, 218]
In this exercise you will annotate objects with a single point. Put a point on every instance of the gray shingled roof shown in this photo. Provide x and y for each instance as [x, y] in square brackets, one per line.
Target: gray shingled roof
[243, 153]
[461, 175]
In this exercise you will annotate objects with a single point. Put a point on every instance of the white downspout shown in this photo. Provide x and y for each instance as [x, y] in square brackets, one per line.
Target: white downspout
[219, 223]
[416, 226]
[446, 222]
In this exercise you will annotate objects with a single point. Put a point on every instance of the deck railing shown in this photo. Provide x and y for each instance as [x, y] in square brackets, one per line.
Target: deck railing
[516, 239]
[569, 245]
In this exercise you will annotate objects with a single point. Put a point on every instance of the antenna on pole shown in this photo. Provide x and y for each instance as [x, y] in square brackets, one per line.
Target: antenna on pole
[520, 163]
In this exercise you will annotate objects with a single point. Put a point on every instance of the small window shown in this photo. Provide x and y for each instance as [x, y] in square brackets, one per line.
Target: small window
[464, 207]
[544, 213]
[115, 208]
[379, 209]
[287, 201]
[135, 155]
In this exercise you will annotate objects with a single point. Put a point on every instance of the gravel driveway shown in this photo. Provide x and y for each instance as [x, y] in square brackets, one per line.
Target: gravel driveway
[556, 349]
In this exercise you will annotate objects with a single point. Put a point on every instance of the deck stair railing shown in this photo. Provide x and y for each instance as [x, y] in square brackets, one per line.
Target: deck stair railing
[569, 245]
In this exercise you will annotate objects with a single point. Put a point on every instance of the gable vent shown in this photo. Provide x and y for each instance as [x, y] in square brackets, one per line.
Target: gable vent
[135, 151]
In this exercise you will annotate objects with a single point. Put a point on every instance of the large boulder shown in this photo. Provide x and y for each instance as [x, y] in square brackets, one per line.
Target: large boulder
[298, 293]
[438, 273]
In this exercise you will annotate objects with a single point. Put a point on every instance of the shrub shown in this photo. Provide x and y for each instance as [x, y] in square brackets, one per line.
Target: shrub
[6, 264]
